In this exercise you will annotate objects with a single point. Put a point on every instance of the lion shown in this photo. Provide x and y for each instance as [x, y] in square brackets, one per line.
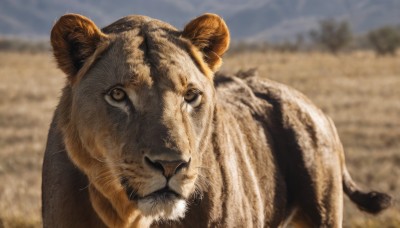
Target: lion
[146, 133]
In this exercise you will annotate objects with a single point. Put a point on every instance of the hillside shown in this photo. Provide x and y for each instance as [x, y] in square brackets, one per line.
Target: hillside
[251, 19]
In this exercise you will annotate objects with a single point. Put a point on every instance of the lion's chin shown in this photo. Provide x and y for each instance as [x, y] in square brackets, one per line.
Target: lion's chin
[162, 209]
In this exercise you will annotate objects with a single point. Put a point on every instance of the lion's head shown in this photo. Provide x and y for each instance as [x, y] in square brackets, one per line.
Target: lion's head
[138, 106]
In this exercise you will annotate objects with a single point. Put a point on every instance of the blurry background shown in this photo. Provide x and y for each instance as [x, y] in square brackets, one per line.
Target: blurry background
[340, 53]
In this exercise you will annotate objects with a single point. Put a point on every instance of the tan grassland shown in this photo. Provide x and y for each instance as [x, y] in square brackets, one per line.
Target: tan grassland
[360, 91]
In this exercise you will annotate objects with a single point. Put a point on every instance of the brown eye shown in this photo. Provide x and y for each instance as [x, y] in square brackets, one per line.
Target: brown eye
[193, 97]
[118, 94]
[190, 96]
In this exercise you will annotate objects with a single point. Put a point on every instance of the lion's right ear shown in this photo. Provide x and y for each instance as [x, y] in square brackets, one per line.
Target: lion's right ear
[74, 39]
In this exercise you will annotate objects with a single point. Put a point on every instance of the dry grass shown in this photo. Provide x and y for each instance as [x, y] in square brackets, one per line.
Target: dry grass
[29, 90]
[360, 92]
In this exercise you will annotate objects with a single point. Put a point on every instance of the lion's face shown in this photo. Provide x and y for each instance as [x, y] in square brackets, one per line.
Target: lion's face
[144, 110]
[148, 110]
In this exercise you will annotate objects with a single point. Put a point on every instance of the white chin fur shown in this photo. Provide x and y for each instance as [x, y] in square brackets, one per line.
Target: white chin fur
[163, 210]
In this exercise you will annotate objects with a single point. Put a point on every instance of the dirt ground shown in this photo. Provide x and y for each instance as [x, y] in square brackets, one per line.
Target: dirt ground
[360, 91]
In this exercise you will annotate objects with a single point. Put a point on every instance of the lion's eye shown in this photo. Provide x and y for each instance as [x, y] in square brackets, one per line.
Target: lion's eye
[118, 98]
[193, 97]
[118, 94]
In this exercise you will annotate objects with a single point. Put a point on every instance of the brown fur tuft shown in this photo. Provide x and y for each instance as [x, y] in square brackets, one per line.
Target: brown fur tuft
[372, 202]
[74, 38]
[210, 35]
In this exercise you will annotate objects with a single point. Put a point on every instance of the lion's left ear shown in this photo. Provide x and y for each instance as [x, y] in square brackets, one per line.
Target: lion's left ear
[210, 35]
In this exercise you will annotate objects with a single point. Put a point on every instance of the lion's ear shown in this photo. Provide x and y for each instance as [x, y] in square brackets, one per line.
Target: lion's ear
[210, 35]
[74, 38]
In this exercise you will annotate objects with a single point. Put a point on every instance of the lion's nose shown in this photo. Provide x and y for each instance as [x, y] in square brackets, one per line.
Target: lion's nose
[168, 168]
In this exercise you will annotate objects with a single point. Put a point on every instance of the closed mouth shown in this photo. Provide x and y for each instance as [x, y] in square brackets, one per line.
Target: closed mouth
[164, 194]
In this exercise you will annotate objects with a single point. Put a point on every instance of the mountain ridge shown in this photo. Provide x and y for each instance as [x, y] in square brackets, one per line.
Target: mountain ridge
[254, 20]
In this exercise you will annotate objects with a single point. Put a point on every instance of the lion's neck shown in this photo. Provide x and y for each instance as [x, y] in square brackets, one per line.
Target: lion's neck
[230, 178]
[216, 176]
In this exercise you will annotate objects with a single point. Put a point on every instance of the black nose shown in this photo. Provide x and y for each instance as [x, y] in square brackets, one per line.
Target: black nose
[168, 168]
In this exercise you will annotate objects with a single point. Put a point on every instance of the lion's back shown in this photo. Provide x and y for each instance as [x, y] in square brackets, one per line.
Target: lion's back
[281, 110]
[270, 99]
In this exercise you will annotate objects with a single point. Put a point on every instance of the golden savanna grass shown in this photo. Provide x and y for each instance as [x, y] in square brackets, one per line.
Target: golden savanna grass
[359, 91]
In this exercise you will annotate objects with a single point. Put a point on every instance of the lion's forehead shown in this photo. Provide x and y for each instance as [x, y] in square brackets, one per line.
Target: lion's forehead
[153, 40]
[149, 55]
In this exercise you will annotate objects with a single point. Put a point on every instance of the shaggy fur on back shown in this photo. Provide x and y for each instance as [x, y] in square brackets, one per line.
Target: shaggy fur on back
[146, 134]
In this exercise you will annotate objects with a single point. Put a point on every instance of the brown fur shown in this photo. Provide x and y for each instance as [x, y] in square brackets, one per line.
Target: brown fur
[253, 153]
[211, 36]
[74, 38]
